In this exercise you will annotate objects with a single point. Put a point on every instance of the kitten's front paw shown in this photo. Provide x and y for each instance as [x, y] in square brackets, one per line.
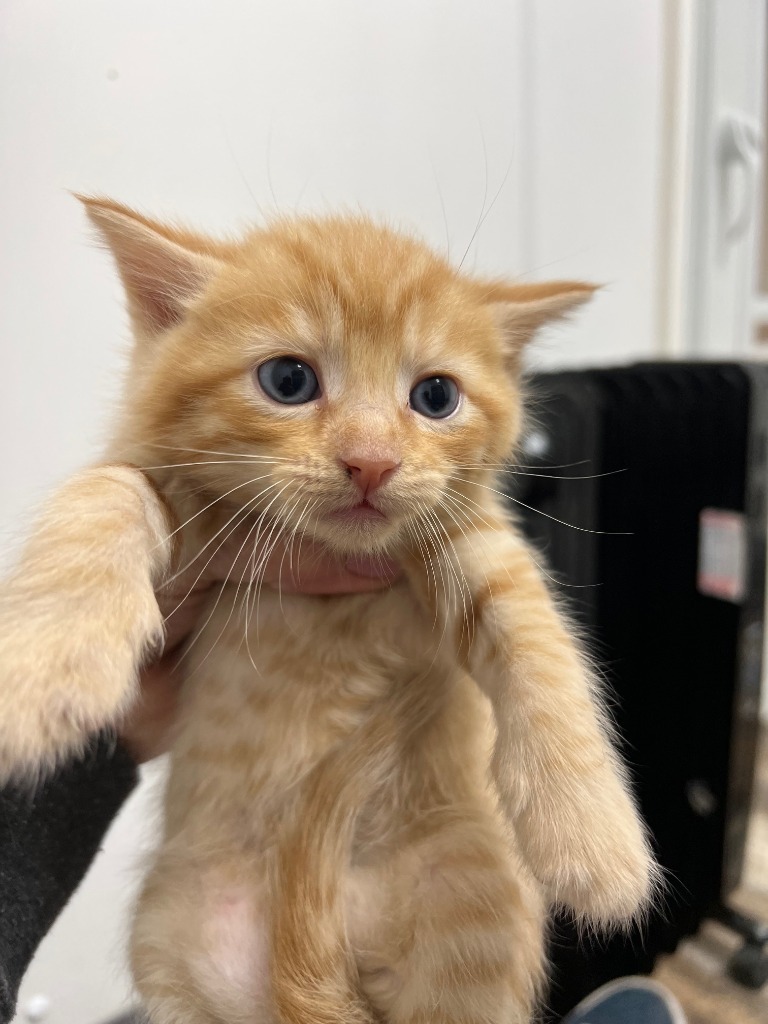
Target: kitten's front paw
[592, 854]
[65, 674]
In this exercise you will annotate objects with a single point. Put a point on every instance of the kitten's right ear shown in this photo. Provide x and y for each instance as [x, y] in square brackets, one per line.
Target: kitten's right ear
[520, 310]
[162, 268]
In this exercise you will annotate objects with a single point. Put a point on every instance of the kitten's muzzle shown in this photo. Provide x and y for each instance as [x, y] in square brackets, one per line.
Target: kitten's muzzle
[369, 474]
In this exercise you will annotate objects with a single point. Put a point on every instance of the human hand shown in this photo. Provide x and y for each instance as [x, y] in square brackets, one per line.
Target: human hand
[310, 569]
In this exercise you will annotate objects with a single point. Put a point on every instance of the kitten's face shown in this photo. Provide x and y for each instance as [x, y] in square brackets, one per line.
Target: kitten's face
[353, 383]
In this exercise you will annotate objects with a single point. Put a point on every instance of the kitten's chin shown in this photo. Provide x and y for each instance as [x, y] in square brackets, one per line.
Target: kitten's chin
[362, 514]
[357, 532]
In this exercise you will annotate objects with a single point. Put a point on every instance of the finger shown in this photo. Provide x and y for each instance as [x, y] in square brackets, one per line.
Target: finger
[303, 567]
[314, 570]
[335, 582]
[374, 567]
[147, 730]
[181, 612]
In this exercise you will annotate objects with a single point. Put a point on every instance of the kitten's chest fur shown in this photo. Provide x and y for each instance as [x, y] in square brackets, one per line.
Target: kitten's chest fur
[273, 687]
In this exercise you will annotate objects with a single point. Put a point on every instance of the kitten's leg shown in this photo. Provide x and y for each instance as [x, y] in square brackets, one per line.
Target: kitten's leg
[78, 614]
[449, 932]
[558, 776]
[199, 949]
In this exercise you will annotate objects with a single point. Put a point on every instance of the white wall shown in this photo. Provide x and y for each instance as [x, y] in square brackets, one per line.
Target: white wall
[421, 111]
[590, 176]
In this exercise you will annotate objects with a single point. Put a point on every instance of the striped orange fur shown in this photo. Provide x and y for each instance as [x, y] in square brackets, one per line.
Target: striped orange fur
[373, 799]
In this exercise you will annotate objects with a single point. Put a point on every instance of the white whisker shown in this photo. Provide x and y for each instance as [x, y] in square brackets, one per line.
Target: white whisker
[238, 487]
[532, 508]
[258, 573]
[491, 526]
[515, 469]
[253, 528]
[209, 451]
[219, 596]
[243, 511]
[212, 462]
[208, 543]
[463, 586]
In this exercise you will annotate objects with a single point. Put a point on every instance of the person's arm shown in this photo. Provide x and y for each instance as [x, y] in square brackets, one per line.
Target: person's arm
[48, 838]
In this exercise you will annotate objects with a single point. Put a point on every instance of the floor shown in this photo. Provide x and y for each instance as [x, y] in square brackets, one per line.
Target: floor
[696, 973]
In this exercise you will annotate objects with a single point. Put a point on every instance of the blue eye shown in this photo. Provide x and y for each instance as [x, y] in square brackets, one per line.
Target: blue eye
[289, 381]
[436, 397]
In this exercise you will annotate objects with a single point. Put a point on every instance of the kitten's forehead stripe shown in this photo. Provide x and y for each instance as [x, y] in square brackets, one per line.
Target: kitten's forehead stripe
[366, 271]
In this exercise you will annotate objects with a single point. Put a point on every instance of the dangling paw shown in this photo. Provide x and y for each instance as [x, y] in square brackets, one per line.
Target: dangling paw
[68, 668]
[591, 852]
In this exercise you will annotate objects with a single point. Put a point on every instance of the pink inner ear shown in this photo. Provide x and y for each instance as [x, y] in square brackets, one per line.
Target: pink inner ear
[158, 278]
[160, 312]
[161, 268]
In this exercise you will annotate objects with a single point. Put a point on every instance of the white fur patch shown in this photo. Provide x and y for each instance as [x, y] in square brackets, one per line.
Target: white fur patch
[234, 969]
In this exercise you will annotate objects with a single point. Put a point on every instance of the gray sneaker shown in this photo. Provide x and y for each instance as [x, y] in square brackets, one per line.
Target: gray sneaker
[628, 1001]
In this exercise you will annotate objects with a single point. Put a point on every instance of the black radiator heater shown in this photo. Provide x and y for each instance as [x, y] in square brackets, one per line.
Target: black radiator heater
[666, 463]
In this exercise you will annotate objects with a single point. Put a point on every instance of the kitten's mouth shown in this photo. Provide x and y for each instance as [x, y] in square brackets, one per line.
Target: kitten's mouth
[363, 512]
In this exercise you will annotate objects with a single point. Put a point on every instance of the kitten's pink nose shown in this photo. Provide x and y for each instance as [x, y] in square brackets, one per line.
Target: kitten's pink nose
[369, 474]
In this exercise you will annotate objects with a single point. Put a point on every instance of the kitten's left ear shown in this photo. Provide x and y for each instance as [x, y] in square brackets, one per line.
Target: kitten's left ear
[521, 309]
[162, 268]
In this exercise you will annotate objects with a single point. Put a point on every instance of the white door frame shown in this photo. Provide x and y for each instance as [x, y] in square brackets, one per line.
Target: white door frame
[699, 118]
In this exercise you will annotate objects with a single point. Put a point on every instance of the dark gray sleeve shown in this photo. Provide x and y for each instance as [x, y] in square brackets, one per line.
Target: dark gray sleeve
[48, 838]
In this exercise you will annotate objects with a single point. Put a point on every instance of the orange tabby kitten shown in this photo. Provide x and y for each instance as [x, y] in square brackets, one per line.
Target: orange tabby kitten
[373, 799]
